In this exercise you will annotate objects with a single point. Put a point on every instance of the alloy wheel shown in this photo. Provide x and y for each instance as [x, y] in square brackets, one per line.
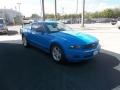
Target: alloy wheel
[57, 53]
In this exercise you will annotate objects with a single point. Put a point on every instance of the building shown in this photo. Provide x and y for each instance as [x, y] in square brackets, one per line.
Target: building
[9, 15]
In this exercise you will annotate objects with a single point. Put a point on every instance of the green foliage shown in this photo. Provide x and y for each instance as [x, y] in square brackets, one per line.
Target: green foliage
[107, 13]
[18, 20]
[35, 16]
[51, 16]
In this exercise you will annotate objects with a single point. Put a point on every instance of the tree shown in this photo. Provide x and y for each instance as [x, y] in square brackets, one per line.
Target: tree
[18, 20]
[107, 13]
[35, 16]
[116, 12]
[49, 16]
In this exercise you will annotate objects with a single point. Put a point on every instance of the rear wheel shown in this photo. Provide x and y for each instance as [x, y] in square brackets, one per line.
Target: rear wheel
[57, 53]
[24, 41]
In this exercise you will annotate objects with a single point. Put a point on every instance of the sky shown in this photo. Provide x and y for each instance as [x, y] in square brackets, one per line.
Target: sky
[29, 7]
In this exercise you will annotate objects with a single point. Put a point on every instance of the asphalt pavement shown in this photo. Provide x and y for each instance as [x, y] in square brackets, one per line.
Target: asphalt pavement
[32, 69]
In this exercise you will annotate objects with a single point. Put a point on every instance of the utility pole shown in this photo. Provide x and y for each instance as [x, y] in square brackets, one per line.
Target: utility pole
[15, 8]
[19, 6]
[19, 16]
[83, 13]
[77, 7]
[4, 12]
[55, 9]
[41, 8]
[43, 11]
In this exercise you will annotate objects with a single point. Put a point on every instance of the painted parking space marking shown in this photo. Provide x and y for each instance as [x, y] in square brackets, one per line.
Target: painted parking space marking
[117, 67]
[117, 88]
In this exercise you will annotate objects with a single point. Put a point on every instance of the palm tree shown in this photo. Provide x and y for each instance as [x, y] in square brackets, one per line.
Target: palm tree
[55, 9]
[43, 10]
[83, 12]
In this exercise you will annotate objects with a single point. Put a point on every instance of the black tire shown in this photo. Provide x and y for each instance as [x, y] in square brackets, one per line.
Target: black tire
[112, 23]
[118, 27]
[7, 32]
[25, 42]
[62, 58]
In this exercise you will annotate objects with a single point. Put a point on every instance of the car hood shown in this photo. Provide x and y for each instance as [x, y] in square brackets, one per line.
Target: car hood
[75, 37]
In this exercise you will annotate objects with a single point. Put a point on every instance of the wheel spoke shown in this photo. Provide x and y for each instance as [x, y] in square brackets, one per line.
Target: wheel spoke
[56, 52]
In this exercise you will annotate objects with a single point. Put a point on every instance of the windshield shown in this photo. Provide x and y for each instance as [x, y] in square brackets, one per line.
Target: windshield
[56, 27]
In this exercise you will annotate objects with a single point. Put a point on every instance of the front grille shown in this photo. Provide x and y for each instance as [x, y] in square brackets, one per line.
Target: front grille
[91, 46]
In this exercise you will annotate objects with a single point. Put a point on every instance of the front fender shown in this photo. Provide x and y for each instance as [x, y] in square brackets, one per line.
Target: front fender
[62, 43]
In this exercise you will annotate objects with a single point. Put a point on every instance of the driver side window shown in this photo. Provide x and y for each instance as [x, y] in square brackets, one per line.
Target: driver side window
[37, 27]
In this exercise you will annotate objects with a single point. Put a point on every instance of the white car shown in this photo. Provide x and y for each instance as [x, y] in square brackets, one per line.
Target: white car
[118, 24]
[3, 26]
[27, 21]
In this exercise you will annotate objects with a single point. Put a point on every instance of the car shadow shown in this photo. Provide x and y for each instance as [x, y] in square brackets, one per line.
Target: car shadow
[12, 32]
[32, 69]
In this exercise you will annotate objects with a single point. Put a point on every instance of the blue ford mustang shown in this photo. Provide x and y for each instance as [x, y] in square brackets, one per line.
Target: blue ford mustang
[62, 42]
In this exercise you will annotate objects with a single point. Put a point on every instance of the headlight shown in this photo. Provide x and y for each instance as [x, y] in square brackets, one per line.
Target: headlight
[74, 47]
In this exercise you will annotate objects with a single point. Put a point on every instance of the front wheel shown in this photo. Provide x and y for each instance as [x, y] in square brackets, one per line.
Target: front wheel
[57, 53]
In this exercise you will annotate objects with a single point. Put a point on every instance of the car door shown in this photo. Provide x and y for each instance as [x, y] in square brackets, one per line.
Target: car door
[31, 33]
[40, 36]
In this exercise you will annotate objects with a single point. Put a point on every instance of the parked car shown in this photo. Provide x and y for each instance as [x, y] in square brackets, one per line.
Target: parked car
[27, 21]
[113, 21]
[118, 23]
[3, 26]
[62, 42]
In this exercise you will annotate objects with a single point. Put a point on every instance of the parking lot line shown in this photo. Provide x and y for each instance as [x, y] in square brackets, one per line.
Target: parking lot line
[117, 88]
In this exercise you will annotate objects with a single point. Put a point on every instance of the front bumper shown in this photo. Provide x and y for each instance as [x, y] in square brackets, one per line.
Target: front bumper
[81, 55]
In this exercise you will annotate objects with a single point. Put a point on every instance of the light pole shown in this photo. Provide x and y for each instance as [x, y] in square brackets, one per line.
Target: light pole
[77, 7]
[19, 4]
[55, 9]
[43, 11]
[40, 8]
[83, 13]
